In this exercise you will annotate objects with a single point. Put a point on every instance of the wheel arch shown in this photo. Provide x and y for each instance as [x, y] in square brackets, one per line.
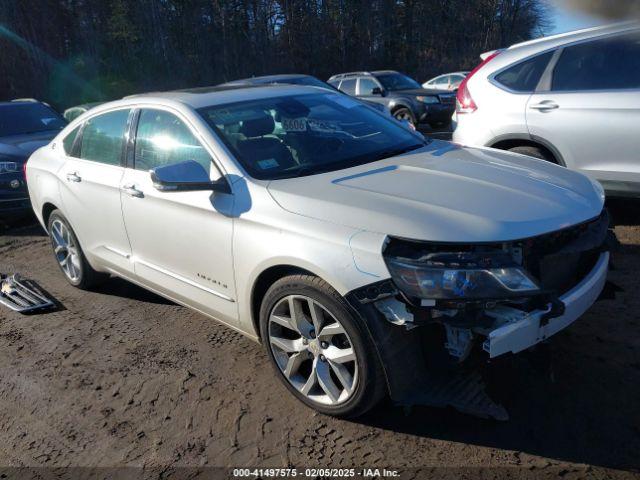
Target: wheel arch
[505, 142]
[47, 209]
[398, 103]
[264, 280]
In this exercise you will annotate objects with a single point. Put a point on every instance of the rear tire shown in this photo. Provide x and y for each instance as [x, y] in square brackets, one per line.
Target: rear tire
[69, 254]
[534, 152]
[334, 370]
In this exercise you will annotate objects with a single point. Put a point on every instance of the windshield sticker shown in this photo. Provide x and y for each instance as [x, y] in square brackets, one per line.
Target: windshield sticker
[49, 120]
[268, 163]
[323, 126]
[294, 124]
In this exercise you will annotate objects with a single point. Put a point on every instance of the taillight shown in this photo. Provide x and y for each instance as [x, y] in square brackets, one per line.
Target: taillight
[464, 100]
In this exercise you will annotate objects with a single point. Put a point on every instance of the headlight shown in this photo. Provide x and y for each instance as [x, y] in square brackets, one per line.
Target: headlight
[8, 167]
[429, 99]
[461, 275]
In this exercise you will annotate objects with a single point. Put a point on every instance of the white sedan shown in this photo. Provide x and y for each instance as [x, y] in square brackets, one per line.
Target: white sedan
[323, 229]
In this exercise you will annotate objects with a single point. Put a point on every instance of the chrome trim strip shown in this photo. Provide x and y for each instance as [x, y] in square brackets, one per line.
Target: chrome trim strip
[183, 279]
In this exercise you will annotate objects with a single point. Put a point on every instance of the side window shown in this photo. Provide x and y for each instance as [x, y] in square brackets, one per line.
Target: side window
[67, 143]
[348, 86]
[163, 139]
[524, 76]
[366, 86]
[609, 64]
[103, 137]
[443, 81]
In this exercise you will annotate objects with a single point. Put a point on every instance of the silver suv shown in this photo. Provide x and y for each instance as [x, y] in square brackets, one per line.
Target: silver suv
[326, 230]
[573, 99]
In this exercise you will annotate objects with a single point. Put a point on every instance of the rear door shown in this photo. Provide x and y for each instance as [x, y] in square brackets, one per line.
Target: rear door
[180, 241]
[90, 187]
[590, 109]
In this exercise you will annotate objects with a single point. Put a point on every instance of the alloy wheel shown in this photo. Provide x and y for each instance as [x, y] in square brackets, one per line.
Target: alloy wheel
[66, 250]
[404, 115]
[313, 350]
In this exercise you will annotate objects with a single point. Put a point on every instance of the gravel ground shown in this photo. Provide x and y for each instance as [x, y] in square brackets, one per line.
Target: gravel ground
[121, 377]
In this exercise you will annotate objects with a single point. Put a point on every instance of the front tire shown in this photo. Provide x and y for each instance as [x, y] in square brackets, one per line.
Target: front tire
[404, 114]
[534, 152]
[318, 348]
[69, 254]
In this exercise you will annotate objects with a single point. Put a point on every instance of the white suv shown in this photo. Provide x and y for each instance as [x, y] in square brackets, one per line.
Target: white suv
[573, 99]
[324, 229]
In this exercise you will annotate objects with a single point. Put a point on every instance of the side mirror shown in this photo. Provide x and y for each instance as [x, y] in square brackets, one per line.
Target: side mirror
[184, 177]
[377, 91]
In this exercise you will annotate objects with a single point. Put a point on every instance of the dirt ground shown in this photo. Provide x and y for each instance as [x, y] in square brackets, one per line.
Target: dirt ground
[121, 377]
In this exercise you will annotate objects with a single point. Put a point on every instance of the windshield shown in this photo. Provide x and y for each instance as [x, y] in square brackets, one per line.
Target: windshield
[291, 136]
[23, 118]
[397, 81]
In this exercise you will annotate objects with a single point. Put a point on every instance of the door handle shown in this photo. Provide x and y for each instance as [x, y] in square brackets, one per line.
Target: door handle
[73, 177]
[544, 106]
[132, 191]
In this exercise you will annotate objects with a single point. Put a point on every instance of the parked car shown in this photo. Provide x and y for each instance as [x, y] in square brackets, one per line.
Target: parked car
[25, 125]
[72, 113]
[337, 238]
[404, 97]
[448, 81]
[297, 79]
[572, 99]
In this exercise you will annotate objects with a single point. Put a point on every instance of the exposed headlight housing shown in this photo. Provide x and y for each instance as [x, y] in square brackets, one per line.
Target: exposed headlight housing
[428, 99]
[461, 275]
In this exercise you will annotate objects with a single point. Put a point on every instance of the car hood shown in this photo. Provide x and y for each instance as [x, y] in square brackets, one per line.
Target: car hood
[24, 145]
[446, 193]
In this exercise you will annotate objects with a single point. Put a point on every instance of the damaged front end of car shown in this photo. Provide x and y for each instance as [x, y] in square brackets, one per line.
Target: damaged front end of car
[500, 296]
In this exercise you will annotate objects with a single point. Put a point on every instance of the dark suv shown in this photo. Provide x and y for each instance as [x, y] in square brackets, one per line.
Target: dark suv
[25, 126]
[405, 98]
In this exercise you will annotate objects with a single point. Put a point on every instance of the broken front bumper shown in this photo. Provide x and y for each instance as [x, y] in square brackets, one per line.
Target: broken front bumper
[524, 330]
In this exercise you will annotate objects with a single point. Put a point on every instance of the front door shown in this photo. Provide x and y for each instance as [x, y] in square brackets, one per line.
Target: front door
[90, 188]
[181, 241]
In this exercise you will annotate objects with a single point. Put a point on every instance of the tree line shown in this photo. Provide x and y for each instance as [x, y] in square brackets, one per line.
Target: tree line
[74, 51]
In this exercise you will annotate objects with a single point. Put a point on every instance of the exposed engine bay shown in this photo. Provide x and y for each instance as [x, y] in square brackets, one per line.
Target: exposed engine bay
[502, 297]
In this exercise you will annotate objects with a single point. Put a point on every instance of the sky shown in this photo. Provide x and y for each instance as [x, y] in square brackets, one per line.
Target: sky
[566, 19]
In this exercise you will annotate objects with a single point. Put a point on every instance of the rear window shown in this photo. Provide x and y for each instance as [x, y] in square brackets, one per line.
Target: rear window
[524, 76]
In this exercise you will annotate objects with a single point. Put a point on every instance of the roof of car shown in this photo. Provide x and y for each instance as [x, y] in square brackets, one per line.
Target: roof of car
[223, 94]
[382, 72]
[581, 34]
[21, 101]
[269, 78]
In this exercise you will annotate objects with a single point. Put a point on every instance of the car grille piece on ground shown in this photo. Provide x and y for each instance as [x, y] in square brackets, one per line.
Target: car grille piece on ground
[22, 296]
